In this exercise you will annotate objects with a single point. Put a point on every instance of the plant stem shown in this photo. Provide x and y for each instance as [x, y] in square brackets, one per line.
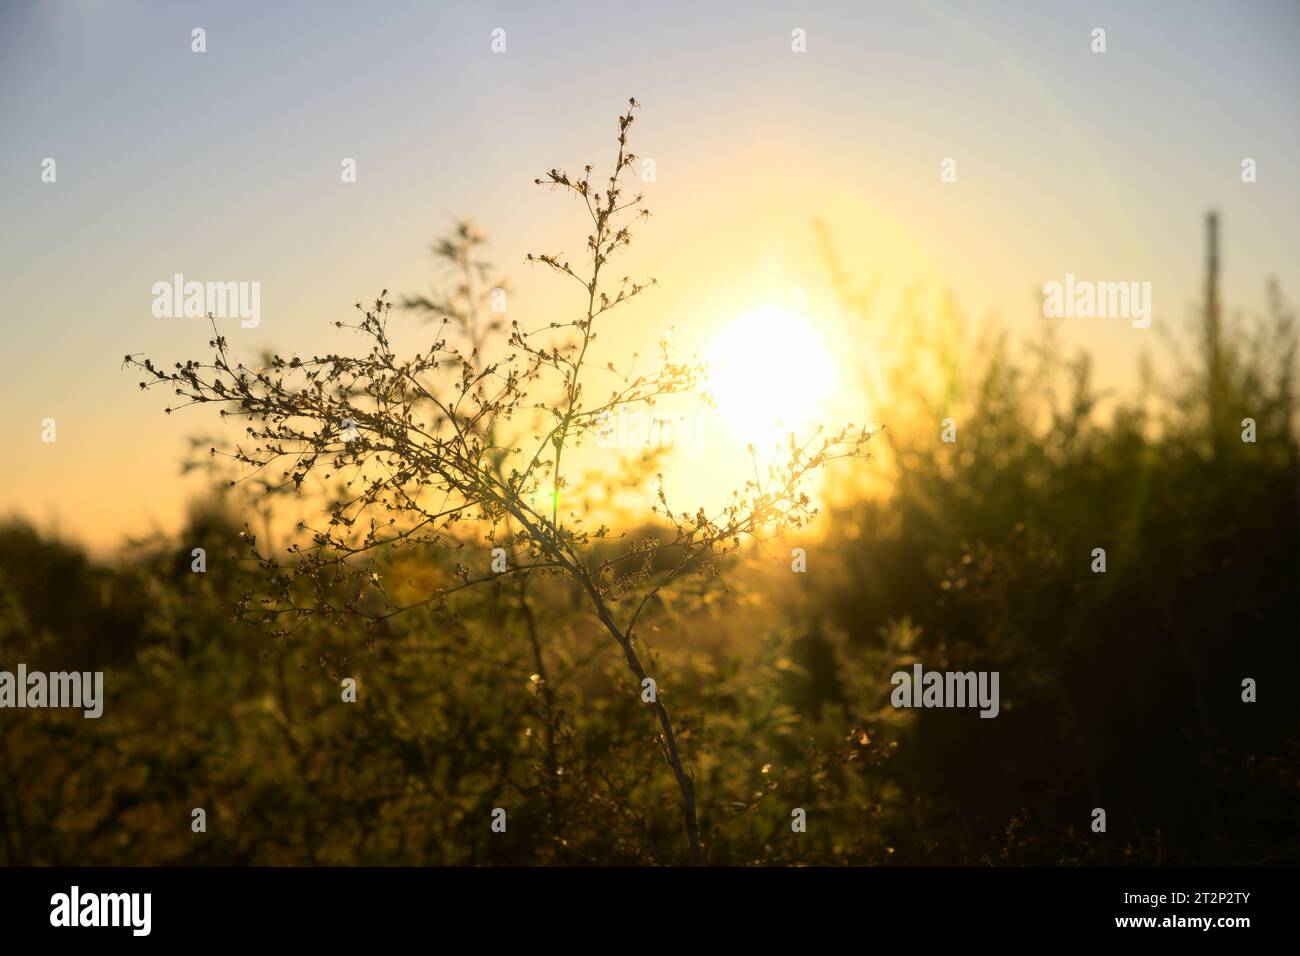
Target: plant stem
[579, 573]
[665, 721]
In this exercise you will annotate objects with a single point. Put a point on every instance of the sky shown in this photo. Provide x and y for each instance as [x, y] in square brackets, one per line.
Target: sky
[225, 166]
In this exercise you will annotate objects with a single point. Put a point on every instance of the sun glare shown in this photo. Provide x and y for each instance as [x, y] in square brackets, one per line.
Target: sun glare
[770, 373]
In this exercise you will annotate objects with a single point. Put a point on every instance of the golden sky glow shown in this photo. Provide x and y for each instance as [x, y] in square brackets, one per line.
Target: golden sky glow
[226, 166]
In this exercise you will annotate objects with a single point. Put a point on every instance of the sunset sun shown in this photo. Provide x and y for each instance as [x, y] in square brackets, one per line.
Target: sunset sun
[770, 373]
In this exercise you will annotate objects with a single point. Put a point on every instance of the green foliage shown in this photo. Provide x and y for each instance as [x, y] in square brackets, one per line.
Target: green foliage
[1119, 689]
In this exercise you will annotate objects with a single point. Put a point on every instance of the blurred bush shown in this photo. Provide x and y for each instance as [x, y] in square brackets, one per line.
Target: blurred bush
[1119, 690]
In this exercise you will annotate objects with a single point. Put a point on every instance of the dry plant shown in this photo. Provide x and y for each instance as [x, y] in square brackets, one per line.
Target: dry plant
[466, 440]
